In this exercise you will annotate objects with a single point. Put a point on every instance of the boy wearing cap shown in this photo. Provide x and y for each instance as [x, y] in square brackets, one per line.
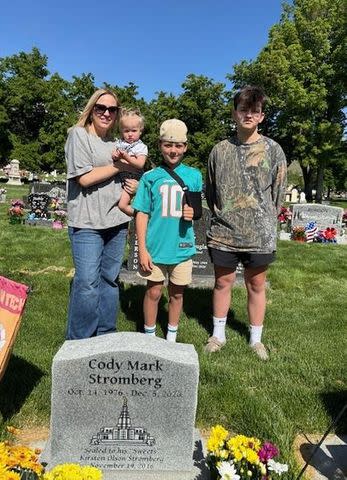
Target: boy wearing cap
[246, 179]
[164, 228]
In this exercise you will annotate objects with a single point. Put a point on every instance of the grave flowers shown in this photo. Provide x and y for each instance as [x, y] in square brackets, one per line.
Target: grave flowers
[59, 218]
[327, 236]
[18, 462]
[285, 215]
[16, 211]
[298, 234]
[241, 458]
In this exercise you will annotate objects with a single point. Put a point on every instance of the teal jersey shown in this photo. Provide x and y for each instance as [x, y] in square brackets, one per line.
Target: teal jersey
[169, 239]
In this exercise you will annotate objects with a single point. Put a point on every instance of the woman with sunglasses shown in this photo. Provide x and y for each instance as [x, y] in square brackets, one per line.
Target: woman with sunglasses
[97, 228]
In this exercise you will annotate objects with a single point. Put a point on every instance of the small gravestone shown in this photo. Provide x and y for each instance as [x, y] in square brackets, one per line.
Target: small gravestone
[125, 403]
[39, 203]
[325, 216]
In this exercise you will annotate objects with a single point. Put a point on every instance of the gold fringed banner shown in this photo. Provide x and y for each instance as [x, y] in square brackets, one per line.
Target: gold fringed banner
[12, 301]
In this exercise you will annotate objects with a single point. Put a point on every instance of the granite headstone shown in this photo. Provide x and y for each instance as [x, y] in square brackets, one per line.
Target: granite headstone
[203, 271]
[325, 216]
[125, 403]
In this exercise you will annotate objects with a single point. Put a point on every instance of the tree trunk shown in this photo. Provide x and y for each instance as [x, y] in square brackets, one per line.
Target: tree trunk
[308, 182]
[320, 179]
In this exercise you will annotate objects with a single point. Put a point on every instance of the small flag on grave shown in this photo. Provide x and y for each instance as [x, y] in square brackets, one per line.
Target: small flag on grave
[310, 231]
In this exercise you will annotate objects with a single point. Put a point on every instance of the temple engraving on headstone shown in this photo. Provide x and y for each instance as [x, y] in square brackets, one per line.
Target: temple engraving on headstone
[121, 407]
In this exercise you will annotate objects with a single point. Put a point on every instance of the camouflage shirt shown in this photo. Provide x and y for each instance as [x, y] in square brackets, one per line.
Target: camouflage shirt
[244, 189]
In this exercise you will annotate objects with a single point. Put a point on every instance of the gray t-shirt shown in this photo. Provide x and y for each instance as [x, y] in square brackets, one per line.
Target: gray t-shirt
[95, 206]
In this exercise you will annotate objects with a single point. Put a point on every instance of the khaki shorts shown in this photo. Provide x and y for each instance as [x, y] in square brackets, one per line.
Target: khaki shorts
[179, 274]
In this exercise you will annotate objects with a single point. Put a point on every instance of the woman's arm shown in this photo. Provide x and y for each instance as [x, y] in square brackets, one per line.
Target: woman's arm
[100, 174]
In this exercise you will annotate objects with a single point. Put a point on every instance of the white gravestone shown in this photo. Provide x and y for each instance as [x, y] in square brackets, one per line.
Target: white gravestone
[13, 174]
[126, 403]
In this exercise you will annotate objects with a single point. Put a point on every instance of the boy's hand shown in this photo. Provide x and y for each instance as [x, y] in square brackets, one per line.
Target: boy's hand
[187, 213]
[145, 261]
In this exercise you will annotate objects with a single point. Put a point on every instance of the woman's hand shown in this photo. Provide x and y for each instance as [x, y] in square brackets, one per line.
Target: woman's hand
[130, 186]
[124, 167]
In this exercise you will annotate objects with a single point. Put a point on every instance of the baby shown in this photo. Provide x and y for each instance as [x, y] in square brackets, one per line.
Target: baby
[130, 149]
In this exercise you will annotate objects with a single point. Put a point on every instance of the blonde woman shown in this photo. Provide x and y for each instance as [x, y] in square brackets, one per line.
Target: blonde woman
[97, 228]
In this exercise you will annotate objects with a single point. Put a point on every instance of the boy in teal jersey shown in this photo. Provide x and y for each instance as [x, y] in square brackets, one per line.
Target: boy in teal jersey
[164, 228]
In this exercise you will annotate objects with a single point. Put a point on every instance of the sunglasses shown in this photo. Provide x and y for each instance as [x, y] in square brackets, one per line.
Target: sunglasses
[100, 109]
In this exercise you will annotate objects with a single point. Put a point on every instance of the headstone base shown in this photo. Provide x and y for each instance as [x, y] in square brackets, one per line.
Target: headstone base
[14, 181]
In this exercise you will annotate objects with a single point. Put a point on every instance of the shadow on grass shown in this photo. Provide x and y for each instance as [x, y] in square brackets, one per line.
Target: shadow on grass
[197, 303]
[19, 380]
[131, 301]
[335, 405]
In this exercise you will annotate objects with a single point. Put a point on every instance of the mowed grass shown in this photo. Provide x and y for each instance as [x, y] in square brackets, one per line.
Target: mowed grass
[300, 390]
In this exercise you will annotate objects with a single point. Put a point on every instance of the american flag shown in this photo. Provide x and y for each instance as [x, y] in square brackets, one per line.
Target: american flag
[310, 231]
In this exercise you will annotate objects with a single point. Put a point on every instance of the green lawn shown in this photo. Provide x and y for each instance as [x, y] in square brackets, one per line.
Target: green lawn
[299, 390]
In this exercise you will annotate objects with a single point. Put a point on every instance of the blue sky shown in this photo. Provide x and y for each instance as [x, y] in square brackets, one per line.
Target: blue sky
[154, 44]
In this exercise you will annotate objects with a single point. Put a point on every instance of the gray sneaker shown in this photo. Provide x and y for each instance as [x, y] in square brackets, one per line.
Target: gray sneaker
[260, 350]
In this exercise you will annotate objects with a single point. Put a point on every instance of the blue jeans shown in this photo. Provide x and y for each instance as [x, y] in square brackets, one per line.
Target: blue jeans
[94, 294]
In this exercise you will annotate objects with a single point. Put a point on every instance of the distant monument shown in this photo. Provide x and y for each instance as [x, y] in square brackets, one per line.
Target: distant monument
[13, 174]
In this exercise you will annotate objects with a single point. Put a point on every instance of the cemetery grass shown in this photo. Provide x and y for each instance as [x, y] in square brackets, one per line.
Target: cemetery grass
[300, 390]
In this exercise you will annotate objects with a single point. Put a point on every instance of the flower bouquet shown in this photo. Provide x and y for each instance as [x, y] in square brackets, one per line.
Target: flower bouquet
[285, 215]
[327, 236]
[241, 458]
[56, 203]
[19, 463]
[59, 218]
[298, 234]
[16, 211]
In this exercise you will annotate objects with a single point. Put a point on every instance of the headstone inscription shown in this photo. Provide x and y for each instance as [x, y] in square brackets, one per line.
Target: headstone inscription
[125, 402]
[39, 203]
[325, 216]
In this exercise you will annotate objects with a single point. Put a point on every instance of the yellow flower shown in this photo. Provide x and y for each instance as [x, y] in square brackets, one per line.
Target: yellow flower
[69, 471]
[12, 476]
[217, 438]
[91, 473]
[252, 456]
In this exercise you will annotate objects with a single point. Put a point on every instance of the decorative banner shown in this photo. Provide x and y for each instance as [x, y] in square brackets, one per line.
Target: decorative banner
[12, 301]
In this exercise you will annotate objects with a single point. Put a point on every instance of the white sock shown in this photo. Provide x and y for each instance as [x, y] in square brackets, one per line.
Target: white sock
[219, 328]
[255, 334]
[150, 330]
[171, 333]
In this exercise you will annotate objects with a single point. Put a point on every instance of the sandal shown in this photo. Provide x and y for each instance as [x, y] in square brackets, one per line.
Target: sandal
[213, 345]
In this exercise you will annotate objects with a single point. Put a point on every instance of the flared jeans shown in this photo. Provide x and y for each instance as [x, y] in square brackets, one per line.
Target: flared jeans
[94, 294]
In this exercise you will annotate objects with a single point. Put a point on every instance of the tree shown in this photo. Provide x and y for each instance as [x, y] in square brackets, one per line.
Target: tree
[22, 80]
[302, 68]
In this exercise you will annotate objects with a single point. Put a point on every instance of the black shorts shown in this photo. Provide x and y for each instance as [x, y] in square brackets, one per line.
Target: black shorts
[230, 260]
